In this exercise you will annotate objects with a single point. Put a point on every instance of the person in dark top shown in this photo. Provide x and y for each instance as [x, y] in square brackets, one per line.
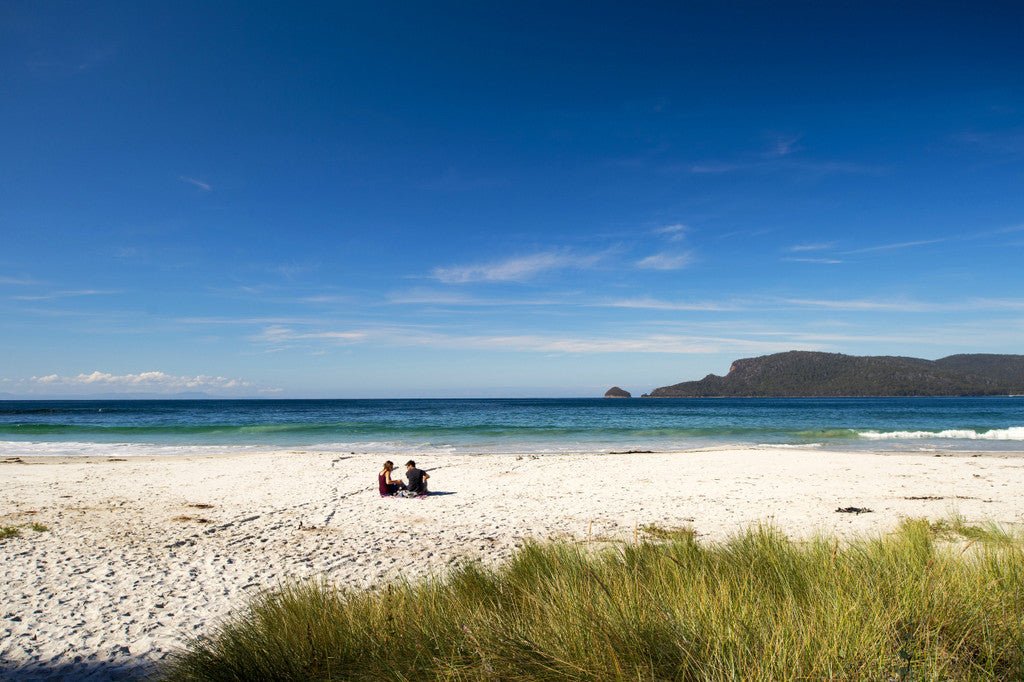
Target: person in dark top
[384, 481]
[417, 478]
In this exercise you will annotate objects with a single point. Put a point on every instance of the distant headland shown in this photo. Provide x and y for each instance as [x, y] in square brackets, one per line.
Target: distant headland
[826, 375]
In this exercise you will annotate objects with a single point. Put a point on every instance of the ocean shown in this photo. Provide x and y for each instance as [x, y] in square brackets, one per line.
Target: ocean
[541, 426]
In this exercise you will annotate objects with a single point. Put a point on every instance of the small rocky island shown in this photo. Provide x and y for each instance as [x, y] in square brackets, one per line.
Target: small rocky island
[616, 392]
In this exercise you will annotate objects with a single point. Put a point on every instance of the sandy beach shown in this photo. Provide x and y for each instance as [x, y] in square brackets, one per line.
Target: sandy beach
[141, 554]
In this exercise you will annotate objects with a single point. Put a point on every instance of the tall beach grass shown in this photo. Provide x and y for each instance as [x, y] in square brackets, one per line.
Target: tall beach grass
[911, 605]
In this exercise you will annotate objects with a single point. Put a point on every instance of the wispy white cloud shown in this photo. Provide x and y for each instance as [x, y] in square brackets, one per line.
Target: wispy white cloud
[63, 294]
[17, 281]
[248, 320]
[517, 269]
[432, 297]
[961, 237]
[325, 299]
[898, 245]
[130, 253]
[808, 166]
[966, 236]
[966, 336]
[450, 298]
[732, 234]
[865, 305]
[665, 261]
[1012, 228]
[674, 233]
[650, 343]
[281, 334]
[246, 290]
[704, 334]
[995, 304]
[291, 270]
[205, 186]
[1003, 142]
[783, 145]
[283, 337]
[998, 232]
[845, 335]
[822, 261]
[895, 304]
[818, 246]
[647, 303]
[909, 305]
[716, 167]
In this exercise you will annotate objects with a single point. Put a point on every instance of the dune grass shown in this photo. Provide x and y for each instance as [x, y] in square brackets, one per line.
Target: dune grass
[906, 606]
[15, 531]
[9, 532]
[956, 526]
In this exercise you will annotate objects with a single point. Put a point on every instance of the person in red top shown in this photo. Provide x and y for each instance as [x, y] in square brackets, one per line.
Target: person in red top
[385, 483]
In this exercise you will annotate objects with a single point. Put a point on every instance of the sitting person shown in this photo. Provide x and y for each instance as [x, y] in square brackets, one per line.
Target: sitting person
[417, 478]
[386, 485]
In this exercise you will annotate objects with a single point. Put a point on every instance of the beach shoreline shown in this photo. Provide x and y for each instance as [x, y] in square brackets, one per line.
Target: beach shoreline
[141, 553]
[327, 449]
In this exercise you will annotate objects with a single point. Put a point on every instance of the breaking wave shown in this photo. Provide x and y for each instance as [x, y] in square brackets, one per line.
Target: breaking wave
[1012, 433]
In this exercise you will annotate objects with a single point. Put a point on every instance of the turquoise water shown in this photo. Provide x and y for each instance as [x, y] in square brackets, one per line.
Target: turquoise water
[522, 425]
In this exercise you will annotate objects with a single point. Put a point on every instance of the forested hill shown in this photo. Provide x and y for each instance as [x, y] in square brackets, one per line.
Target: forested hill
[810, 374]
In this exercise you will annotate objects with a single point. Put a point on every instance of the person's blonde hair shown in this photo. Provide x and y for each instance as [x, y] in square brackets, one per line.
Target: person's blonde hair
[389, 465]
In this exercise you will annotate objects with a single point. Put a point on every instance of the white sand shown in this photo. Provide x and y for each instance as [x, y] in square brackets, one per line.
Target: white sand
[128, 571]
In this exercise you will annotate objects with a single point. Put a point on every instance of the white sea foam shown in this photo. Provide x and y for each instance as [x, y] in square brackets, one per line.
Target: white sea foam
[10, 448]
[790, 446]
[1012, 433]
[13, 448]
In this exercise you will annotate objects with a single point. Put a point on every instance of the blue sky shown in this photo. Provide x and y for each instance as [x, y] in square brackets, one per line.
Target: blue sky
[499, 199]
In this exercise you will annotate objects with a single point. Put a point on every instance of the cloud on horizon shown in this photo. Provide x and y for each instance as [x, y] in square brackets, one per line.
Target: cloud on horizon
[156, 381]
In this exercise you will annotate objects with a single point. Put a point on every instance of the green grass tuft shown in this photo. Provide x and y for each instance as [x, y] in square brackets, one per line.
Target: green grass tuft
[9, 532]
[655, 532]
[38, 527]
[956, 527]
[758, 607]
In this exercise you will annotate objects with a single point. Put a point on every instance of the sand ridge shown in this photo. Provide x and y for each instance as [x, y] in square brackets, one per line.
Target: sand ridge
[142, 554]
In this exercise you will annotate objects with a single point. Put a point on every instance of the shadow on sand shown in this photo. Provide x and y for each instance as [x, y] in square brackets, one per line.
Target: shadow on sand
[78, 671]
[432, 493]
